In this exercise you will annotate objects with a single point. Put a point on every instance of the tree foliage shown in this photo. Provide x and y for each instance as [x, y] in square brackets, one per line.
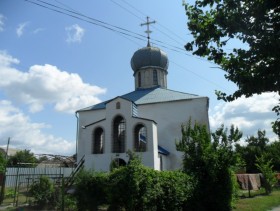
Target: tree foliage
[209, 162]
[258, 146]
[134, 187]
[3, 163]
[42, 191]
[217, 25]
[266, 168]
[23, 158]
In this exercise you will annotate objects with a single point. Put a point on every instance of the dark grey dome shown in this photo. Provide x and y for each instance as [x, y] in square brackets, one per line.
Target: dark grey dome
[149, 57]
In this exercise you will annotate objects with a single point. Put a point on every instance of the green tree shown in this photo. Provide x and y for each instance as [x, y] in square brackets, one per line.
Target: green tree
[266, 168]
[23, 158]
[217, 25]
[209, 162]
[43, 192]
[3, 163]
[256, 146]
[273, 154]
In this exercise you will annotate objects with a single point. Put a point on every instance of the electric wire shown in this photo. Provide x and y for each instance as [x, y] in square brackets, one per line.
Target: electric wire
[177, 49]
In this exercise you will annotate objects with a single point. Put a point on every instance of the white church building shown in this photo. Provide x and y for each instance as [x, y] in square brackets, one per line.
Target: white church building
[146, 121]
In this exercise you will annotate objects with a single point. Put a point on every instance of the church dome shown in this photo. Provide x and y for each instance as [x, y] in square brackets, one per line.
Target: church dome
[149, 57]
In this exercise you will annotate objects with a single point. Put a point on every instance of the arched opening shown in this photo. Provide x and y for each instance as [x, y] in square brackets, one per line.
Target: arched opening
[116, 163]
[155, 77]
[118, 141]
[140, 138]
[139, 80]
[98, 141]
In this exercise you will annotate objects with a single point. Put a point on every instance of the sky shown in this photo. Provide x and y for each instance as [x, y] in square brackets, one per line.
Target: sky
[59, 56]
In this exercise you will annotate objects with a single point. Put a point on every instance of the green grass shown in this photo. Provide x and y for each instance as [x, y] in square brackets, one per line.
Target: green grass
[259, 202]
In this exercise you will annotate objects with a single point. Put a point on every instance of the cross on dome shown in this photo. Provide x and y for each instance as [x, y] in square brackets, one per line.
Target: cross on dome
[148, 31]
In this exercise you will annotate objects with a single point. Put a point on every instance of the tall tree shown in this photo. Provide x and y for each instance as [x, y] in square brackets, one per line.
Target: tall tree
[256, 23]
[210, 163]
[24, 158]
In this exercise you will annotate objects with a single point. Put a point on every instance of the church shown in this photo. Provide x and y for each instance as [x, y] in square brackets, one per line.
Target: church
[146, 121]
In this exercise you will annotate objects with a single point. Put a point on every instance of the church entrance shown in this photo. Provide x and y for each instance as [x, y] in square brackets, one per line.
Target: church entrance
[118, 162]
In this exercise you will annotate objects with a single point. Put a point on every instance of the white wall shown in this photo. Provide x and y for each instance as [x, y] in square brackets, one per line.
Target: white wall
[164, 130]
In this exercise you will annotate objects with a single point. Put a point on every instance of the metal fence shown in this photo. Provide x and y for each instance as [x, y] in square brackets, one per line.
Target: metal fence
[20, 176]
[19, 179]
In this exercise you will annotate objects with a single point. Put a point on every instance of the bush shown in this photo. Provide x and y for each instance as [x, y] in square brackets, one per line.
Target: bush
[42, 191]
[210, 163]
[266, 168]
[90, 190]
[136, 187]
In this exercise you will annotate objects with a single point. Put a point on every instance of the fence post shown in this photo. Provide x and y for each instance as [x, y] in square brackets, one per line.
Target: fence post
[62, 193]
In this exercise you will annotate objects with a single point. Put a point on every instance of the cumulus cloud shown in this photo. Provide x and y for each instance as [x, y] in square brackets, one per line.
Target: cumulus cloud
[75, 33]
[2, 22]
[248, 114]
[26, 134]
[46, 84]
[20, 28]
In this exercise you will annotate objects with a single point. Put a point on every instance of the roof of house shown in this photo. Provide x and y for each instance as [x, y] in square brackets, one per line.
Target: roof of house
[148, 96]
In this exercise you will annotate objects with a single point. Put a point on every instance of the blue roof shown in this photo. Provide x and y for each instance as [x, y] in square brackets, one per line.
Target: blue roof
[147, 96]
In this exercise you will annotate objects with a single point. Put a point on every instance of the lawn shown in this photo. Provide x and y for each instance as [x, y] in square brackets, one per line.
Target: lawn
[259, 202]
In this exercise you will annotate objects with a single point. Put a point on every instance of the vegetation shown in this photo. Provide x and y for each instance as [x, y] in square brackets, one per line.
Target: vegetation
[42, 192]
[23, 158]
[256, 147]
[260, 202]
[134, 187]
[265, 167]
[3, 163]
[210, 163]
[218, 24]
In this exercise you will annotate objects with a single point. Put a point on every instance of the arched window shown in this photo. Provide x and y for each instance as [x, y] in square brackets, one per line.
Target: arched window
[139, 80]
[155, 77]
[140, 138]
[98, 141]
[118, 141]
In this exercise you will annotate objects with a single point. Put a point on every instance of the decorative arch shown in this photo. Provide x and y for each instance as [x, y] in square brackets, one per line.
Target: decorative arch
[118, 140]
[98, 141]
[140, 138]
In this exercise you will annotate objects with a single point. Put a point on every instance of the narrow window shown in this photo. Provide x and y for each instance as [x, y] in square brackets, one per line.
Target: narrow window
[155, 77]
[118, 105]
[139, 80]
[118, 141]
[98, 141]
[140, 138]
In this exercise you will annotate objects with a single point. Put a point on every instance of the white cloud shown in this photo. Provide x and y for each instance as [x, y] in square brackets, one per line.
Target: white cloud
[36, 31]
[20, 28]
[28, 135]
[75, 33]
[248, 114]
[2, 17]
[46, 84]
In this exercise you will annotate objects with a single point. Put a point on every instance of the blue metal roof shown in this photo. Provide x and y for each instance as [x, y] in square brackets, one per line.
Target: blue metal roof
[147, 96]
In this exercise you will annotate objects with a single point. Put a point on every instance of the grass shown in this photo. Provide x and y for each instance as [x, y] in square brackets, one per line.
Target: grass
[259, 202]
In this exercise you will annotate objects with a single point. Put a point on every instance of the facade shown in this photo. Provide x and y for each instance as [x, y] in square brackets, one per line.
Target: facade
[147, 120]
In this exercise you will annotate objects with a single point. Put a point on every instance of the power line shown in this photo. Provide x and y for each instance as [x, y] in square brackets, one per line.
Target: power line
[123, 32]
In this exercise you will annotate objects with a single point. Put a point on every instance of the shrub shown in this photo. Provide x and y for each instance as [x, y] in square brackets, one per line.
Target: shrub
[90, 190]
[266, 168]
[42, 191]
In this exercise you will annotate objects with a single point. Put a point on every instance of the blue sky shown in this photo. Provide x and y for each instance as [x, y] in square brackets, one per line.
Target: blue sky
[52, 64]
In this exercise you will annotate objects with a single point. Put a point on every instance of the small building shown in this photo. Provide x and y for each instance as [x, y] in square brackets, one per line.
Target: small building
[146, 121]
